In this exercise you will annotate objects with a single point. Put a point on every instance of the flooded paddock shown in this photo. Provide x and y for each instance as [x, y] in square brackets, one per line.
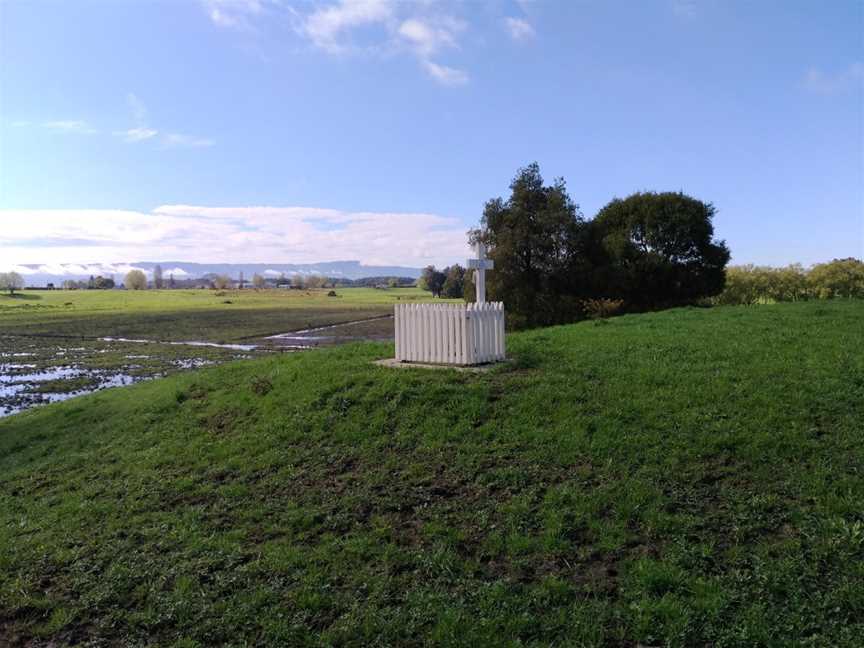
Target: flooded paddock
[36, 370]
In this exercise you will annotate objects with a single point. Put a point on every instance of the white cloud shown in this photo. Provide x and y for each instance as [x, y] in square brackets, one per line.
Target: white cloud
[427, 38]
[231, 235]
[342, 27]
[326, 26]
[70, 126]
[232, 13]
[519, 29]
[178, 140]
[137, 134]
[446, 75]
[815, 80]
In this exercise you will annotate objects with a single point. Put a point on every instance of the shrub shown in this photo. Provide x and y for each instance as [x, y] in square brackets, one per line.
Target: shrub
[601, 308]
[135, 280]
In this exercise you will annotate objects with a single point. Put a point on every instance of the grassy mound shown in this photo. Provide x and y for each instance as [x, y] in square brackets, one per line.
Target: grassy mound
[692, 477]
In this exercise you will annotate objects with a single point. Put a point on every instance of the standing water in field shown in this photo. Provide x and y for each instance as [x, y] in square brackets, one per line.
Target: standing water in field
[35, 371]
[43, 370]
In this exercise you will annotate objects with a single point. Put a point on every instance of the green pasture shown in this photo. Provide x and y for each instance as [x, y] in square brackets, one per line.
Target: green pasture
[693, 477]
[216, 316]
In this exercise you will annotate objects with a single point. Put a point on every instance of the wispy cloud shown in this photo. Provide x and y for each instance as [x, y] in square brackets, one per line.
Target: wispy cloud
[143, 132]
[179, 140]
[821, 82]
[137, 134]
[236, 14]
[231, 235]
[326, 27]
[683, 8]
[519, 29]
[428, 37]
[446, 75]
[70, 126]
[403, 26]
[139, 110]
[342, 27]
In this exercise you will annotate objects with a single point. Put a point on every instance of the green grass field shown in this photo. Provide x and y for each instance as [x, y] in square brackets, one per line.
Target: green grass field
[690, 477]
[215, 316]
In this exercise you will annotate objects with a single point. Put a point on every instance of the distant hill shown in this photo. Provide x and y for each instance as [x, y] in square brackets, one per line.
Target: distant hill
[41, 274]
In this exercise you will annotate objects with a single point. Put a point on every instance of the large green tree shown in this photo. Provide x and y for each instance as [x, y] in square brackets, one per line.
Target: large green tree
[432, 280]
[657, 250]
[454, 283]
[534, 238]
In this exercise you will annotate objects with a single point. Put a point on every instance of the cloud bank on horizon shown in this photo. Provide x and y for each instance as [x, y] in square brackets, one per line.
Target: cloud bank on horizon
[198, 234]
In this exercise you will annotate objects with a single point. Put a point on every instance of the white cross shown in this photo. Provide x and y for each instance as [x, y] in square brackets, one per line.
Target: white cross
[480, 265]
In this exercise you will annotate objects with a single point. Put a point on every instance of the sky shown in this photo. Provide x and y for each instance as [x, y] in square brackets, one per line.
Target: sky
[294, 132]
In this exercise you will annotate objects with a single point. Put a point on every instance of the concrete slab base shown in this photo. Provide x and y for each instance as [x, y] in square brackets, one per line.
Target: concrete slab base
[393, 363]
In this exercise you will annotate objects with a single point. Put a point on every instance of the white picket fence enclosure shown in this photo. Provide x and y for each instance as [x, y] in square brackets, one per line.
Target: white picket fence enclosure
[457, 334]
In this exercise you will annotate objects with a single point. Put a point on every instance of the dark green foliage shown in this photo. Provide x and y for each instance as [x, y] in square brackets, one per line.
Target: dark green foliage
[432, 280]
[448, 283]
[454, 284]
[658, 250]
[686, 478]
[534, 238]
[650, 250]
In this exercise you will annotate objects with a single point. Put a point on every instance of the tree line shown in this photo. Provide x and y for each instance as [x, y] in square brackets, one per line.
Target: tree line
[644, 252]
[552, 265]
[750, 284]
[449, 282]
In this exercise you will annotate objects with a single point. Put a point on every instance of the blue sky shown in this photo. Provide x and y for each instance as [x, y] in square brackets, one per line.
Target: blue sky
[271, 130]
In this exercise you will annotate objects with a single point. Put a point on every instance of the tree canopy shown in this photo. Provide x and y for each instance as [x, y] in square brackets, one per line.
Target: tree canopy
[533, 238]
[135, 280]
[658, 249]
[649, 250]
[11, 281]
[432, 280]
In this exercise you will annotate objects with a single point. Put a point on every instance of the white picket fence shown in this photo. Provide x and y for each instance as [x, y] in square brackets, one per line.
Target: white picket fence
[457, 334]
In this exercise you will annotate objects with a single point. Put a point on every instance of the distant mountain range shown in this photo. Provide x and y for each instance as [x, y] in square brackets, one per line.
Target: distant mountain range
[41, 274]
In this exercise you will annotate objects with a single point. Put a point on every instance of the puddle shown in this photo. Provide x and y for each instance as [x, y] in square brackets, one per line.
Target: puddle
[310, 338]
[10, 390]
[194, 343]
[192, 363]
[303, 334]
[15, 390]
[54, 373]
